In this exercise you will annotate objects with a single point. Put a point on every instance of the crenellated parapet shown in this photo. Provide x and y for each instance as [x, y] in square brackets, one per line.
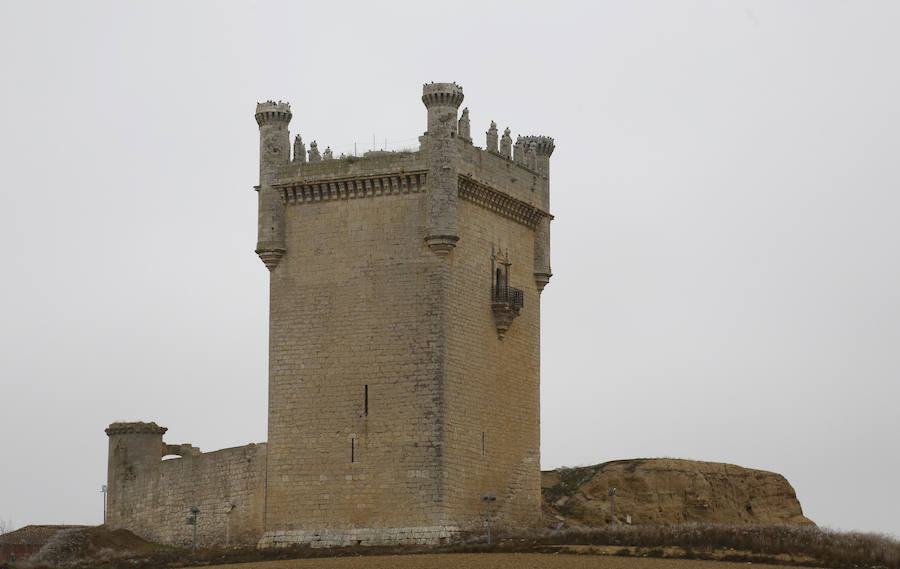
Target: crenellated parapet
[441, 228]
[442, 101]
[272, 113]
[136, 428]
[544, 145]
[442, 94]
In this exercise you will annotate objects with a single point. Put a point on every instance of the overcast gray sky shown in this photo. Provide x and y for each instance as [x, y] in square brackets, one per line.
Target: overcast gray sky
[725, 251]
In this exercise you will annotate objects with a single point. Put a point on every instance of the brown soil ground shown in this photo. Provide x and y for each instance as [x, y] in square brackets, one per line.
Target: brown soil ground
[491, 561]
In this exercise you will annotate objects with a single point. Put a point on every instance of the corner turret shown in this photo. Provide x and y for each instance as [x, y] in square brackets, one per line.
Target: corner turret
[274, 150]
[135, 453]
[542, 147]
[442, 101]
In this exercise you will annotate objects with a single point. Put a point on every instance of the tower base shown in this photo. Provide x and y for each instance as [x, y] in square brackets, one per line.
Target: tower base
[421, 535]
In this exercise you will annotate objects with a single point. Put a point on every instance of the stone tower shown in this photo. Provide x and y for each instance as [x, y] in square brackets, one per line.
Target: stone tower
[404, 334]
[404, 350]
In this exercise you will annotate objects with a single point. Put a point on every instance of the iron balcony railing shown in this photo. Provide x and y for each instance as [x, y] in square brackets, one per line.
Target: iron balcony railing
[508, 295]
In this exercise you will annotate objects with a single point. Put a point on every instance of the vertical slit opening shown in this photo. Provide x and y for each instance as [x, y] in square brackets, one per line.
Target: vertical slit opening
[352, 450]
[366, 401]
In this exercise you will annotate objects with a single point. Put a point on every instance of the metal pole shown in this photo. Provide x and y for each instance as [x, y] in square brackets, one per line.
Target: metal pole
[487, 499]
[103, 490]
[612, 506]
[195, 518]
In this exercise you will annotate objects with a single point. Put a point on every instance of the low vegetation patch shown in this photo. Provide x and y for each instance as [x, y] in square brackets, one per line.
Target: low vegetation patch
[778, 545]
[805, 545]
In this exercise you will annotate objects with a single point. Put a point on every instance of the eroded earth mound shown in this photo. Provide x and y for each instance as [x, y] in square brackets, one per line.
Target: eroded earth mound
[668, 491]
[89, 544]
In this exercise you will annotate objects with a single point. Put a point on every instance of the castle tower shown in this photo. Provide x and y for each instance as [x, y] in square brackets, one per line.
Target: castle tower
[135, 452]
[404, 340]
[404, 350]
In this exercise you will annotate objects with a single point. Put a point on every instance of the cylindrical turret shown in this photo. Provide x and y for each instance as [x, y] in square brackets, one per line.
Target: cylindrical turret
[442, 101]
[135, 453]
[274, 151]
[543, 147]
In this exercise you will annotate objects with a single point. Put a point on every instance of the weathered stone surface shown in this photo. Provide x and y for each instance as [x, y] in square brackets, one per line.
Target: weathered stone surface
[668, 491]
[152, 497]
[393, 405]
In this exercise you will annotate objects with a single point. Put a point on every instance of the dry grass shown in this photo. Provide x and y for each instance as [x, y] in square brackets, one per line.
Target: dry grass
[490, 561]
[827, 547]
[667, 547]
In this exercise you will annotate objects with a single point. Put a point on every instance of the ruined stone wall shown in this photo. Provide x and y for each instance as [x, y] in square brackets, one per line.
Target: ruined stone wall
[152, 497]
[352, 317]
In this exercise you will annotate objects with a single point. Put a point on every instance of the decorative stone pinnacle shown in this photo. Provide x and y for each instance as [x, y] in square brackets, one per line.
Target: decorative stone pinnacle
[519, 151]
[464, 126]
[447, 94]
[491, 137]
[506, 145]
[299, 149]
[314, 155]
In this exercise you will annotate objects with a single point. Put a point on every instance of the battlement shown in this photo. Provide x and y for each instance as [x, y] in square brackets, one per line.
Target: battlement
[448, 94]
[136, 428]
[544, 145]
[271, 112]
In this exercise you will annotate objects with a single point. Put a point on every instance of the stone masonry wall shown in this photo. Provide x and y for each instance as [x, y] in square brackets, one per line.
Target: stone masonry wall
[152, 497]
[352, 316]
[492, 385]
[394, 404]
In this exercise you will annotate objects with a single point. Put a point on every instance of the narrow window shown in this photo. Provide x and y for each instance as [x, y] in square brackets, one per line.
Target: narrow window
[482, 443]
[352, 450]
[366, 401]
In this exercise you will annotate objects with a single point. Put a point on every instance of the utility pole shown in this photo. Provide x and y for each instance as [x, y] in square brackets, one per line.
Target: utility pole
[612, 505]
[192, 521]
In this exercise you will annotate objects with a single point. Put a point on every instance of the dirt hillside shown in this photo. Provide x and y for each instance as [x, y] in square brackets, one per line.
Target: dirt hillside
[668, 491]
[90, 544]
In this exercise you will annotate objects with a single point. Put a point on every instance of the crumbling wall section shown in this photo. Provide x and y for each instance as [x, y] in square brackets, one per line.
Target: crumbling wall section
[153, 497]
